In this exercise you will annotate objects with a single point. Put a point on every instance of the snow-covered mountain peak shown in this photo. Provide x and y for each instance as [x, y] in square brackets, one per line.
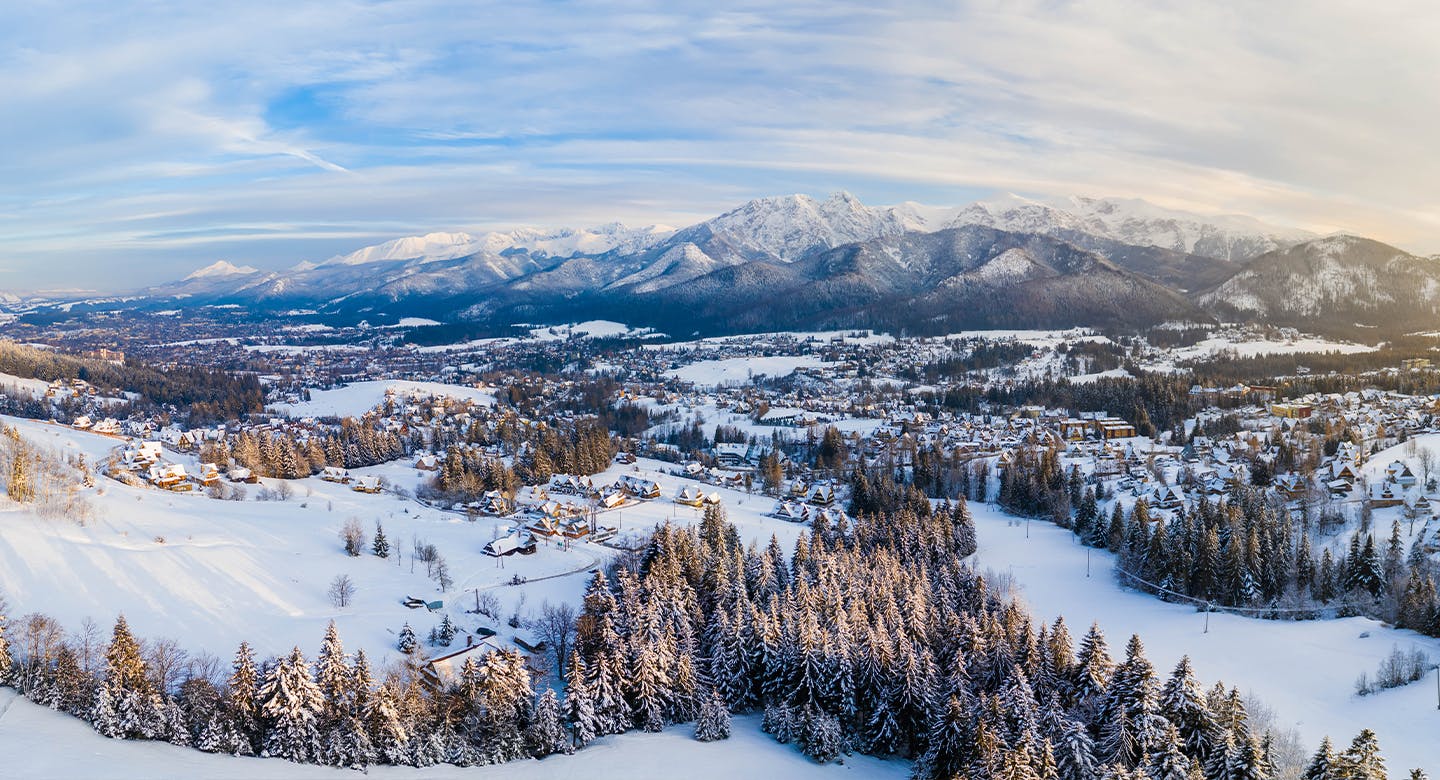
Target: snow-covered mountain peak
[221, 268]
[789, 226]
[431, 246]
[1133, 221]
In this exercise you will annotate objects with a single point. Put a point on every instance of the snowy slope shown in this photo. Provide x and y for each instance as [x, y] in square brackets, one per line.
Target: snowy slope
[358, 398]
[40, 743]
[1303, 670]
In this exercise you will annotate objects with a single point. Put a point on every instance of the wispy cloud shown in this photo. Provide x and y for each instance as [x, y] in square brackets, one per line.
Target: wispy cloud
[144, 140]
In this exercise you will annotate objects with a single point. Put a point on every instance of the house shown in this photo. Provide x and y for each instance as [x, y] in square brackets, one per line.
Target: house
[690, 496]
[242, 474]
[792, 513]
[494, 502]
[335, 474]
[612, 500]
[443, 671]
[427, 463]
[1385, 494]
[368, 485]
[639, 487]
[1167, 497]
[577, 527]
[209, 475]
[510, 544]
[170, 477]
[1399, 473]
[529, 643]
[569, 484]
[821, 495]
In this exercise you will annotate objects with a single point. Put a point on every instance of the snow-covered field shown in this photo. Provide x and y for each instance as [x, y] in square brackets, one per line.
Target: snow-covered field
[714, 373]
[211, 573]
[587, 329]
[1304, 670]
[357, 398]
[14, 386]
[1257, 347]
[40, 743]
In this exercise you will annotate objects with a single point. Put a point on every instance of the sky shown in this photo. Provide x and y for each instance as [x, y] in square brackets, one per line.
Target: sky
[143, 140]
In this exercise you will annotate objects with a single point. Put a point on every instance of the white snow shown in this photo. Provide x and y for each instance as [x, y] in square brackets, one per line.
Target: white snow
[712, 373]
[1304, 670]
[357, 398]
[222, 268]
[41, 743]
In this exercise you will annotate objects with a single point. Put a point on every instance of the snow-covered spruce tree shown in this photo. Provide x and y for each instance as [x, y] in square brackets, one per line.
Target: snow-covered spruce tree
[547, 734]
[389, 738]
[714, 720]
[580, 712]
[242, 703]
[333, 678]
[1183, 704]
[407, 643]
[7, 661]
[126, 706]
[1131, 726]
[820, 736]
[380, 547]
[445, 632]
[290, 708]
[1362, 760]
[1322, 764]
[507, 697]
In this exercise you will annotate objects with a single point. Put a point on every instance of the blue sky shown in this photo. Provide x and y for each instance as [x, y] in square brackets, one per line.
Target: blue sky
[143, 140]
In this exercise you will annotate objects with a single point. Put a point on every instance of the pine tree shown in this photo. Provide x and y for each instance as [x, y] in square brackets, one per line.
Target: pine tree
[333, 678]
[7, 661]
[290, 707]
[1322, 764]
[1183, 705]
[407, 643]
[714, 720]
[129, 708]
[948, 755]
[546, 734]
[820, 736]
[380, 547]
[384, 725]
[242, 702]
[1092, 669]
[580, 712]
[1362, 760]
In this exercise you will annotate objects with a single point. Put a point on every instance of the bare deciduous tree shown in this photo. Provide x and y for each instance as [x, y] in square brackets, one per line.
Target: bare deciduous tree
[166, 659]
[342, 591]
[556, 628]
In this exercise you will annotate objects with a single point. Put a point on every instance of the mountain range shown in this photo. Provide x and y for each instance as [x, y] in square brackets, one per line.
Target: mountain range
[795, 262]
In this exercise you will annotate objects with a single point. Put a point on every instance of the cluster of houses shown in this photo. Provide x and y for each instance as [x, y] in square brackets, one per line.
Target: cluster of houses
[340, 476]
[147, 458]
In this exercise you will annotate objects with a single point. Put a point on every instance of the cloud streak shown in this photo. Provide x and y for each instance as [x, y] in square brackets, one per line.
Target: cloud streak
[144, 141]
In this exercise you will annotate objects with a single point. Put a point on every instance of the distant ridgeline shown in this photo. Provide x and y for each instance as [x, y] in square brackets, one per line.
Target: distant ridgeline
[203, 394]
